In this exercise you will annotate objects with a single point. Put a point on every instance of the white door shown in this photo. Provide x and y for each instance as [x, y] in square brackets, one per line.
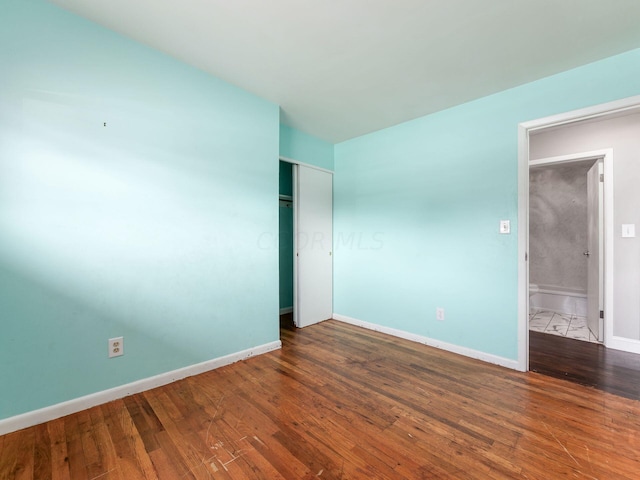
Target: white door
[313, 206]
[595, 250]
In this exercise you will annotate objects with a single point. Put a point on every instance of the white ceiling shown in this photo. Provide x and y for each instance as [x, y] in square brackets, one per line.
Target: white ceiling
[342, 68]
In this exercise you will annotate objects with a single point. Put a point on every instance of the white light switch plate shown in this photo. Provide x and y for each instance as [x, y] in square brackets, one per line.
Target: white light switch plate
[628, 230]
[505, 226]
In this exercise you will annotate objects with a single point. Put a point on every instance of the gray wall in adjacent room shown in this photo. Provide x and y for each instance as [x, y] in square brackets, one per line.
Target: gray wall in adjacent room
[558, 226]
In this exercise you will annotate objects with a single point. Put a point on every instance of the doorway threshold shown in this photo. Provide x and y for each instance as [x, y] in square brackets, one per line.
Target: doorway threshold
[586, 363]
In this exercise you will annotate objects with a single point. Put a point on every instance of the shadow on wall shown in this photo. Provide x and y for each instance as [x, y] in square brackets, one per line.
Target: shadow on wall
[102, 235]
[54, 345]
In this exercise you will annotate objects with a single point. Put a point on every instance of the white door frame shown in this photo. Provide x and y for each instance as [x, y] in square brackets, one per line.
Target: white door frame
[606, 155]
[524, 129]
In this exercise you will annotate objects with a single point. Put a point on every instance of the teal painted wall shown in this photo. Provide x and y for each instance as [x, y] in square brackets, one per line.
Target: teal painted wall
[286, 238]
[305, 148]
[149, 227]
[286, 178]
[417, 208]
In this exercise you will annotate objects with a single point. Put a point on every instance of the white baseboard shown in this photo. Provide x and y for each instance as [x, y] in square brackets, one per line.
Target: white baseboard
[569, 302]
[42, 415]
[467, 352]
[624, 344]
[286, 310]
[560, 290]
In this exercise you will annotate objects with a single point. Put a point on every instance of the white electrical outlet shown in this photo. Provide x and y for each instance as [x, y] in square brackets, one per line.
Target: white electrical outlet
[505, 226]
[440, 313]
[116, 347]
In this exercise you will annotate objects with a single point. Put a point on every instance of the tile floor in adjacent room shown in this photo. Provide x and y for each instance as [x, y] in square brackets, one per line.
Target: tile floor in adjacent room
[565, 325]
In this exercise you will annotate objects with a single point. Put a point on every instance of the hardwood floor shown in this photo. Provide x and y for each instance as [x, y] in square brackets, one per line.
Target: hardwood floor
[586, 363]
[340, 402]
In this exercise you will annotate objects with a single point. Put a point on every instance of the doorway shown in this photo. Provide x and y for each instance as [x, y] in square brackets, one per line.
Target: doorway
[306, 244]
[566, 246]
[599, 127]
[286, 241]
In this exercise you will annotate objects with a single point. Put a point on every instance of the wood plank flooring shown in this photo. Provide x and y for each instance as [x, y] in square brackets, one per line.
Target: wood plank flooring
[340, 402]
[585, 363]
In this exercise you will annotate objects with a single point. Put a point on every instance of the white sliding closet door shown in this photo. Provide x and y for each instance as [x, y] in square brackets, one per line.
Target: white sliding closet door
[313, 205]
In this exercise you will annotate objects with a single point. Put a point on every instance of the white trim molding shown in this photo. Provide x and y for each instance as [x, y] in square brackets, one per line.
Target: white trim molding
[52, 412]
[616, 107]
[310, 165]
[431, 342]
[624, 344]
